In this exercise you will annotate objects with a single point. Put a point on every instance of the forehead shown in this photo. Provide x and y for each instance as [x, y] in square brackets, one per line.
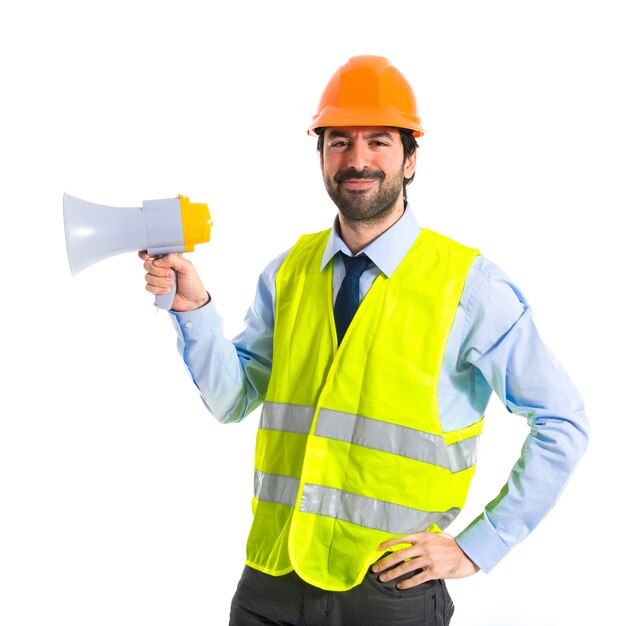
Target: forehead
[366, 132]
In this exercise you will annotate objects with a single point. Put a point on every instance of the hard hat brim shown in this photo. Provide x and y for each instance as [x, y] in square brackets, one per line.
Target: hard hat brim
[332, 116]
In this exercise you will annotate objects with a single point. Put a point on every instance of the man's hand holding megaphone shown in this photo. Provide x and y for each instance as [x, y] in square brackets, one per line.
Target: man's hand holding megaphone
[172, 270]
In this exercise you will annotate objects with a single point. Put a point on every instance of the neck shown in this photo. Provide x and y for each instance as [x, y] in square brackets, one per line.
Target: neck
[358, 234]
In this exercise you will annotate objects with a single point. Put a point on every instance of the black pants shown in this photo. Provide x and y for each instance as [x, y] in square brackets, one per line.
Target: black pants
[287, 600]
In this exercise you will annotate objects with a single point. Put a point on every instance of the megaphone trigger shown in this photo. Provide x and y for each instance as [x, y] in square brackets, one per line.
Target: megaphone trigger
[94, 231]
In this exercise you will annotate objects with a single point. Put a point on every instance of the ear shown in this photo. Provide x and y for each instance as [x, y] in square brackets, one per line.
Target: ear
[409, 165]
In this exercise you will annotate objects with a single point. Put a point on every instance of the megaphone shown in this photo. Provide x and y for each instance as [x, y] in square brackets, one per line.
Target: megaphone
[95, 231]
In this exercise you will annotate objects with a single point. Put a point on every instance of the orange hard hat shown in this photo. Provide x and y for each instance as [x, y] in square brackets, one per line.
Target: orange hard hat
[367, 91]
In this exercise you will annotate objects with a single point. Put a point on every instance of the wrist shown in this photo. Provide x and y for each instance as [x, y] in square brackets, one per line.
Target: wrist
[193, 305]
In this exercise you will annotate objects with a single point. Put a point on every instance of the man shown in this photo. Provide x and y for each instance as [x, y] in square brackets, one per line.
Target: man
[374, 348]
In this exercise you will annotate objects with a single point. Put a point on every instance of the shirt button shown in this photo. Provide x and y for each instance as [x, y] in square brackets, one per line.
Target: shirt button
[188, 324]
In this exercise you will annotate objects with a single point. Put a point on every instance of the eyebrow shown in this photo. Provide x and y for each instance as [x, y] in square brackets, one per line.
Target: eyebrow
[334, 134]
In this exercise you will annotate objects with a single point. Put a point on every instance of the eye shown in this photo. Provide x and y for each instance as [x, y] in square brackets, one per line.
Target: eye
[340, 143]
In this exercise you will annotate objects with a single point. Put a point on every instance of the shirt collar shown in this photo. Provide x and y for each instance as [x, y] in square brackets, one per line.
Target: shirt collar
[387, 251]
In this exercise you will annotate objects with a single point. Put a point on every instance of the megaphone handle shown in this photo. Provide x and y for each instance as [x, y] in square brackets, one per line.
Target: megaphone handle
[166, 300]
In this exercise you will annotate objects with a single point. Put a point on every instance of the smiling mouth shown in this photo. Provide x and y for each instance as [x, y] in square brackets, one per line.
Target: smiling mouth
[358, 183]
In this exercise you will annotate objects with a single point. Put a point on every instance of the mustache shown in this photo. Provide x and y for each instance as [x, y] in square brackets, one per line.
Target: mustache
[352, 174]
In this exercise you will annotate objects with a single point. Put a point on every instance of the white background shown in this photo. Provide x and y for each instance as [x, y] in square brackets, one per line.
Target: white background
[122, 501]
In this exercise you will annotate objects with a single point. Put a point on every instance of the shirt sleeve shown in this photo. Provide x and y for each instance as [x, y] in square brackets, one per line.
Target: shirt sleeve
[231, 375]
[503, 344]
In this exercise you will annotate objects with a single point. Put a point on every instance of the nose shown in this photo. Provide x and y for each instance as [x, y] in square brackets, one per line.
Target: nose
[357, 155]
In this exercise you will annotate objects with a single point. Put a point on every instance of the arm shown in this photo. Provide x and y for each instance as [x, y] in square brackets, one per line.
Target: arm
[231, 376]
[500, 349]
[531, 383]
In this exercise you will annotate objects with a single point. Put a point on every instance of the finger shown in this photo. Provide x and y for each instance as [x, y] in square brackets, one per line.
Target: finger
[406, 567]
[161, 266]
[161, 283]
[389, 561]
[156, 271]
[408, 539]
[171, 260]
[158, 291]
[399, 556]
[422, 576]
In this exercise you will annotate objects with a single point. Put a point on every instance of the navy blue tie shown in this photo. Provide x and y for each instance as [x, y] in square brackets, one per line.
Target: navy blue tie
[347, 301]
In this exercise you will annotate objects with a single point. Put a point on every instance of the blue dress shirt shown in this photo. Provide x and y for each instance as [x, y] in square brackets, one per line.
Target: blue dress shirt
[494, 345]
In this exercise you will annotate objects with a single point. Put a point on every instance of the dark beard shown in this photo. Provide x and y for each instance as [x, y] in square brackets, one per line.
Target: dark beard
[361, 206]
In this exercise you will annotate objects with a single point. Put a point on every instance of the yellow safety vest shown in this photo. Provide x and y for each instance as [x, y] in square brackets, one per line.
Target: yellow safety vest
[350, 450]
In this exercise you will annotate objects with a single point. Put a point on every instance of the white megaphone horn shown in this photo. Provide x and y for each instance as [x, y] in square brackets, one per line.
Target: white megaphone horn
[95, 231]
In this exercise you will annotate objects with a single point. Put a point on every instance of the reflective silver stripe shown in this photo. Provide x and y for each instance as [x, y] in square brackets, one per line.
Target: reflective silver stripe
[463, 454]
[371, 513]
[275, 488]
[293, 418]
[395, 439]
[373, 434]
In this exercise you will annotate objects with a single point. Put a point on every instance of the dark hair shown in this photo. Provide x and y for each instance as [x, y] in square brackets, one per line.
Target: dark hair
[409, 145]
